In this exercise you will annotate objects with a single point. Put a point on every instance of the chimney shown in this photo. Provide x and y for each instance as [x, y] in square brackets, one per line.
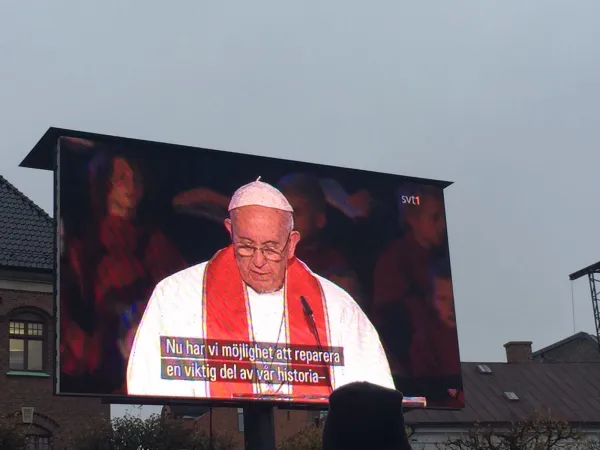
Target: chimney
[518, 352]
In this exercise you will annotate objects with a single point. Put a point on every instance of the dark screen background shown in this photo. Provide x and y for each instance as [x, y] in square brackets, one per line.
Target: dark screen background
[167, 171]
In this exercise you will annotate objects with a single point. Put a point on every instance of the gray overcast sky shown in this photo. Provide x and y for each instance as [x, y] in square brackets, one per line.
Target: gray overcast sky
[500, 97]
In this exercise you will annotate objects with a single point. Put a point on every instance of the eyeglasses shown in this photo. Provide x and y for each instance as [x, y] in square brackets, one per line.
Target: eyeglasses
[270, 254]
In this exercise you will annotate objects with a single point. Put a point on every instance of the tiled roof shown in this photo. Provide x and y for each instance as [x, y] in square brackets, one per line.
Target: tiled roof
[26, 231]
[569, 391]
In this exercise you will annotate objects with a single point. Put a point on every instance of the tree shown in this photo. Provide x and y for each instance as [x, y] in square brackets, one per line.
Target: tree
[593, 445]
[309, 438]
[535, 433]
[12, 433]
[154, 433]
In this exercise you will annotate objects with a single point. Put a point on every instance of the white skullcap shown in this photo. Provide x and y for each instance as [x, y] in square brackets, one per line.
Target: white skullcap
[258, 193]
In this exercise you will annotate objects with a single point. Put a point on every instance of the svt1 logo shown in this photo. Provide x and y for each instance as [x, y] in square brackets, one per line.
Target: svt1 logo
[410, 200]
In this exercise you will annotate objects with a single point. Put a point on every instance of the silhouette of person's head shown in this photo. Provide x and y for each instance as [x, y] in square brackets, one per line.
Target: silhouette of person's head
[365, 416]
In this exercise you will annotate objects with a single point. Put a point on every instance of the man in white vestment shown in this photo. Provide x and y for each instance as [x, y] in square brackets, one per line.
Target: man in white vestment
[254, 293]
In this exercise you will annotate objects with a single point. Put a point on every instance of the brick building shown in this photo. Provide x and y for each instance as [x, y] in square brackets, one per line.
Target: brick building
[27, 331]
[230, 421]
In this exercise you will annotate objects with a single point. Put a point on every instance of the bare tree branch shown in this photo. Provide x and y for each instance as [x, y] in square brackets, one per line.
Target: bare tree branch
[538, 432]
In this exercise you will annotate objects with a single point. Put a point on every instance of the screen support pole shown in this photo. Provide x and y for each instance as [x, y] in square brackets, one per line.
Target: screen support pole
[259, 427]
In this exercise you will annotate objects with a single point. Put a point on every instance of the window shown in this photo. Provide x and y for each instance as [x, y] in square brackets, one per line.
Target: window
[240, 417]
[484, 368]
[35, 442]
[37, 438]
[26, 343]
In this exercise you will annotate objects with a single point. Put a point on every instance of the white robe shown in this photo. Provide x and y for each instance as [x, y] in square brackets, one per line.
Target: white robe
[175, 309]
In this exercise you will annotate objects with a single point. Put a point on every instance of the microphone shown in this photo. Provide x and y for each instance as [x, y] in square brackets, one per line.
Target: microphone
[309, 313]
[306, 306]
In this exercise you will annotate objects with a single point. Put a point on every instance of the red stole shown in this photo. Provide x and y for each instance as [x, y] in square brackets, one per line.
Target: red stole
[226, 318]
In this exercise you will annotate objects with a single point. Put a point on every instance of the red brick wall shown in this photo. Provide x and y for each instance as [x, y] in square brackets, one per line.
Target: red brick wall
[225, 422]
[288, 423]
[518, 352]
[58, 415]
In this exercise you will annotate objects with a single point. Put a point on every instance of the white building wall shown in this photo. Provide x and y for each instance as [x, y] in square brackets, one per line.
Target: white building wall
[434, 438]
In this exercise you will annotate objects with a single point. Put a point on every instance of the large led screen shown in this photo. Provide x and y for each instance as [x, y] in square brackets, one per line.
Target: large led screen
[202, 274]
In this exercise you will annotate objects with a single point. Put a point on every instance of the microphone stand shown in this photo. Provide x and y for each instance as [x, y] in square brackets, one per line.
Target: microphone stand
[259, 419]
[259, 426]
[309, 313]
